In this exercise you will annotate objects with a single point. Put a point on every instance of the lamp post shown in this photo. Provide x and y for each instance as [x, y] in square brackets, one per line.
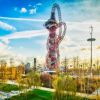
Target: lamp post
[91, 40]
[66, 65]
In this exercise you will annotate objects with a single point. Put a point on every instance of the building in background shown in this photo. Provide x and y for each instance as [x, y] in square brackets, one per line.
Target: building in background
[27, 67]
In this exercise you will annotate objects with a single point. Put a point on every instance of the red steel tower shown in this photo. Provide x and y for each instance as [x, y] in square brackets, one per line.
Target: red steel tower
[54, 39]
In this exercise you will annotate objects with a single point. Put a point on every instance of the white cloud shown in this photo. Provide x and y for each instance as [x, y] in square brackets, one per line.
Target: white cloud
[81, 10]
[32, 11]
[83, 26]
[5, 41]
[39, 4]
[4, 50]
[6, 53]
[6, 26]
[23, 19]
[23, 10]
[23, 34]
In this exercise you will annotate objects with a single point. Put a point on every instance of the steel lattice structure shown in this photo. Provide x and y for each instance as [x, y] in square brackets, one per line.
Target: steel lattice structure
[54, 39]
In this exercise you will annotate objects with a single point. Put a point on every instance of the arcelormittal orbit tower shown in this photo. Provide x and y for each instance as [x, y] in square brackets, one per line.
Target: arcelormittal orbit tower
[54, 39]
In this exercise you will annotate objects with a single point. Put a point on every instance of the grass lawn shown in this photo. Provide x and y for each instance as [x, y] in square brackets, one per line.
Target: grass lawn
[41, 95]
[8, 87]
[34, 95]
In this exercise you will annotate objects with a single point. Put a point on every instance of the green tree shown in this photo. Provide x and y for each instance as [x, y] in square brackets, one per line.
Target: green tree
[64, 87]
[33, 79]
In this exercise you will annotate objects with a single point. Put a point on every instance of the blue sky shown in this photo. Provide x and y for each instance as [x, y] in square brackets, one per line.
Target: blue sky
[22, 32]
